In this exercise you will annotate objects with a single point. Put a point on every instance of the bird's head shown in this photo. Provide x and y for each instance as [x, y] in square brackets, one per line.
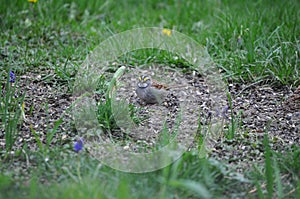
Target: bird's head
[144, 81]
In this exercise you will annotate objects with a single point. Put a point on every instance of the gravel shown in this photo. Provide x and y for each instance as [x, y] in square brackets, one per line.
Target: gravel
[256, 109]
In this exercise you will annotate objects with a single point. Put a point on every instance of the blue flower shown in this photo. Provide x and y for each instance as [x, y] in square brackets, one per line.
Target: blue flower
[78, 145]
[12, 77]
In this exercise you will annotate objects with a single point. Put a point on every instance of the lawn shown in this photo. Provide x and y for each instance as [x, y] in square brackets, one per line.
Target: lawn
[49, 49]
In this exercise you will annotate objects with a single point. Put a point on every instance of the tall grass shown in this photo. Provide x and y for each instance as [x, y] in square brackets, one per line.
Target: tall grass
[11, 111]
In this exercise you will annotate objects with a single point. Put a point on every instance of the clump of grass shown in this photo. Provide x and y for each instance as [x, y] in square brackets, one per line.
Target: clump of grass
[270, 181]
[110, 110]
[45, 148]
[11, 110]
[105, 116]
[154, 56]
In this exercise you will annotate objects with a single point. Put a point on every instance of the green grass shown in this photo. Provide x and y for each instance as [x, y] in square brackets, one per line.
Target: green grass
[10, 110]
[249, 41]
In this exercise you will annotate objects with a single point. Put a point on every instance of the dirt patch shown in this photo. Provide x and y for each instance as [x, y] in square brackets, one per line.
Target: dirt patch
[259, 108]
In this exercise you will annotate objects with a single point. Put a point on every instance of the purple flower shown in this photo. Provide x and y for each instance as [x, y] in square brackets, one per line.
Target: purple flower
[78, 145]
[12, 77]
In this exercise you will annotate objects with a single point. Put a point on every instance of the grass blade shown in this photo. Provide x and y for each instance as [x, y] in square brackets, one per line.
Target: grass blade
[193, 186]
[268, 167]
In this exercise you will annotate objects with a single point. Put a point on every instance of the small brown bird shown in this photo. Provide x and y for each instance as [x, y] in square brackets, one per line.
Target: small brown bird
[150, 93]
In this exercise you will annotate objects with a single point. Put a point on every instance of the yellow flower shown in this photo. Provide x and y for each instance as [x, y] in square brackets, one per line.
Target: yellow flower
[32, 1]
[166, 32]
